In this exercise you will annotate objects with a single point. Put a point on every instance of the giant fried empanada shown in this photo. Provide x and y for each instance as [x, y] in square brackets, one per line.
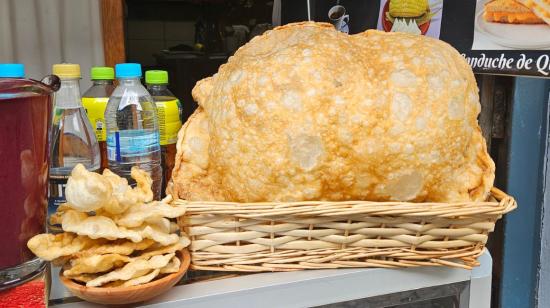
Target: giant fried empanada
[305, 112]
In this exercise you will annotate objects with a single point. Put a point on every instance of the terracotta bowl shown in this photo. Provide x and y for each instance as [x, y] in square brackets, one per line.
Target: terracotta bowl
[128, 295]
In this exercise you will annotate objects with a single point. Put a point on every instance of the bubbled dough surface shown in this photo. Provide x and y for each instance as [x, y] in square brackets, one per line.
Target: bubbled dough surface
[304, 112]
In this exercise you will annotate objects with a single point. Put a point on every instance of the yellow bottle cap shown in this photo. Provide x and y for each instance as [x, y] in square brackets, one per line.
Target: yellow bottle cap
[66, 70]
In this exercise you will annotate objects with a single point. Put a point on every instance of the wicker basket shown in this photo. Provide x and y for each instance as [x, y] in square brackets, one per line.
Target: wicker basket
[256, 237]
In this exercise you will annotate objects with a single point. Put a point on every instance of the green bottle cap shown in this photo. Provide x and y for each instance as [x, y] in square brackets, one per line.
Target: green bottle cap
[156, 77]
[102, 73]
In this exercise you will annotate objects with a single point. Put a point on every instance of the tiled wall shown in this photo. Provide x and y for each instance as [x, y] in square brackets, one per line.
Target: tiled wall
[147, 37]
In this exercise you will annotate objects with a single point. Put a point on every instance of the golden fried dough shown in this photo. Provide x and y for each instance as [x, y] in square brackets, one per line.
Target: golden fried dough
[305, 112]
[134, 269]
[53, 246]
[88, 191]
[95, 264]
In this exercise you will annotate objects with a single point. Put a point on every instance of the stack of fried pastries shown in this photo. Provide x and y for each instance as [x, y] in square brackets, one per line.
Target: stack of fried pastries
[114, 235]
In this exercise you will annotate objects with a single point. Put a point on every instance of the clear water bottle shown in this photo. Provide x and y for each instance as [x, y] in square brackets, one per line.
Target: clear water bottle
[95, 101]
[169, 116]
[132, 127]
[72, 138]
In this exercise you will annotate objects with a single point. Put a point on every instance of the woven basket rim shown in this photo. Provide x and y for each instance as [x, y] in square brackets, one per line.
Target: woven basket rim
[503, 204]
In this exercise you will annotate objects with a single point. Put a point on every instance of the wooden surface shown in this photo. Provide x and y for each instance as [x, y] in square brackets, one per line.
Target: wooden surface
[128, 295]
[112, 25]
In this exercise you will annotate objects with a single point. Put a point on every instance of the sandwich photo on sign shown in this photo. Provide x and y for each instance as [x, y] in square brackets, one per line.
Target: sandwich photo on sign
[512, 24]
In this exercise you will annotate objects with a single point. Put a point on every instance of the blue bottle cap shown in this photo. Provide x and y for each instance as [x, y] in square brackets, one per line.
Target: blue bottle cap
[12, 70]
[128, 70]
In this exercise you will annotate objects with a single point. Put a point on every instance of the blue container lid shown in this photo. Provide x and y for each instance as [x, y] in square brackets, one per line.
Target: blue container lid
[128, 70]
[12, 70]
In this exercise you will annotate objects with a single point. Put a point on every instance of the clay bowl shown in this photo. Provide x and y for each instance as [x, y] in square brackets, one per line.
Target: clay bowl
[128, 295]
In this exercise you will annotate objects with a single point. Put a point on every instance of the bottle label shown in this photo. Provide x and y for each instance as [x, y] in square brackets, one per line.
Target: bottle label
[132, 143]
[169, 121]
[95, 109]
[56, 195]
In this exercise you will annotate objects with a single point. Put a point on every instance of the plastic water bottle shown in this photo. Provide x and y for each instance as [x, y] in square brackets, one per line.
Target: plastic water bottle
[132, 127]
[72, 138]
[169, 116]
[95, 101]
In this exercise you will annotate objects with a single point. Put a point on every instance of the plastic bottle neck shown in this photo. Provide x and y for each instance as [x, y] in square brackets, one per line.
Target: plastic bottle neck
[157, 87]
[68, 95]
[103, 82]
[128, 82]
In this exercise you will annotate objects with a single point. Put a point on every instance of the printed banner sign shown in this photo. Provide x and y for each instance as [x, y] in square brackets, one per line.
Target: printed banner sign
[509, 37]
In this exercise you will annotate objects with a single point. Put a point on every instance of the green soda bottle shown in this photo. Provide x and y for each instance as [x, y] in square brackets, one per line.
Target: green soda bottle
[95, 101]
[169, 116]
